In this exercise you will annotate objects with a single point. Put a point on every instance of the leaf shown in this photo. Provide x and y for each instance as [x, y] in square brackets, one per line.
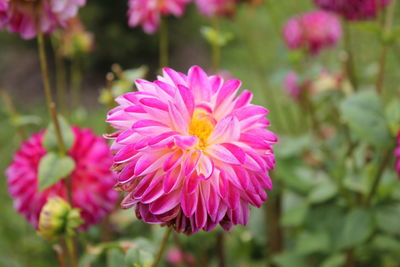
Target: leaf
[323, 192]
[295, 216]
[335, 260]
[358, 227]
[365, 115]
[115, 258]
[386, 243]
[310, 243]
[290, 259]
[392, 113]
[52, 168]
[138, 257]
[387, 218]
[216, 37]
[50, 138]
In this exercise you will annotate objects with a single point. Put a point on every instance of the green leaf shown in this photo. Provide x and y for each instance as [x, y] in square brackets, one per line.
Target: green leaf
[335, 260]
[290, 259]
[52, 168]
[115, 258]
[309, 243]
[323, 192]
[392, 113]
[386, 243]
[388, 219]
[138, 257]
[358, 227]
[364, 113]
[50, 138]
[295, 216]
[216, 37]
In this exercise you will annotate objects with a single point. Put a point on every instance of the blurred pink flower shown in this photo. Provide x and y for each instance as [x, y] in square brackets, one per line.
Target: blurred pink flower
[292, 86]
[92, 180]
[19, 16]
[175, 256]
[191, 154]
[354, 9]
[312, 31]
[211, 8]
[148, 12]
[397, 154]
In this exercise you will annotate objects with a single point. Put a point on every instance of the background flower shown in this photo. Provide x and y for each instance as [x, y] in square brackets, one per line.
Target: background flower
[211, 8]
[353, 9]
[312, 31]
[92, 180]
[148, 12]
[189, 153]
[19, 16]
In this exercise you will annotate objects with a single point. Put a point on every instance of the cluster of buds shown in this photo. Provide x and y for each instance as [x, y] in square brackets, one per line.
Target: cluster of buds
[325, 81]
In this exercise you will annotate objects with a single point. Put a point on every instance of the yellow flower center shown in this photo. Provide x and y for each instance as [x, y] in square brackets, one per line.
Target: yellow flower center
[202, 125]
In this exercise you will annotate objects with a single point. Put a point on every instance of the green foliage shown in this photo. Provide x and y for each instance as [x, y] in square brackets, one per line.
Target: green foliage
[364, 112]
[52, 168]
[50, 138]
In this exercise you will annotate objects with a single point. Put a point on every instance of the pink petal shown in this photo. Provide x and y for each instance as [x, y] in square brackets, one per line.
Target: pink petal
[172, 179]
[166, 203]
[191, 162]
[149, 127]
[189, 203]
[186, 142]
[173, 160]
[228, 153]
[199, 83]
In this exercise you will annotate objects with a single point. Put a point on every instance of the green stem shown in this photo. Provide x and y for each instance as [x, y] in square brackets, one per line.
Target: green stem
[221, 249]
[60, 78]
[76, 80]
[378, 177]
[216, 47]
[71, 250]
[162, 247]
[164, 43]
[350, 68]
[12, 112]
[387, 29]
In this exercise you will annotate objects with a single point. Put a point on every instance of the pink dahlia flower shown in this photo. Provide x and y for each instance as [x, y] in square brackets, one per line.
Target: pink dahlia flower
[211, 8]
[147, 12]
[92, 180]
[19, 16]
[312, 31]
[191, 154]
[354, 9]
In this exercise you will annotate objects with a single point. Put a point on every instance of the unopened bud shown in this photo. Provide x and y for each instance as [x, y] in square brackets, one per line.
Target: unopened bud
[57, 219]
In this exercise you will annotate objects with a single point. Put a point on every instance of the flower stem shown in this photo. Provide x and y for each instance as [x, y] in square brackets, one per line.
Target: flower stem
[162, 247]
[221, 249]
[349, 64]
[12, 112]
[216, 48]
[164, 43]
[387, 28]
[76, 79]
[378, 176]
[60, 77]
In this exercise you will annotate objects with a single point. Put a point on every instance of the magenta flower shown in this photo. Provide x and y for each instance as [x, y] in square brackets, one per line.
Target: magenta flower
[353, 9]
[211, 8]
[92, 180]
[189, 153]
[312, 31]
[19, 16]
[397, 154]
[148, 12]
[292, 85]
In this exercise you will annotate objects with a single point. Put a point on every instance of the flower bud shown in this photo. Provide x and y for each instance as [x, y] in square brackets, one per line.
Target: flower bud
[58, 218]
